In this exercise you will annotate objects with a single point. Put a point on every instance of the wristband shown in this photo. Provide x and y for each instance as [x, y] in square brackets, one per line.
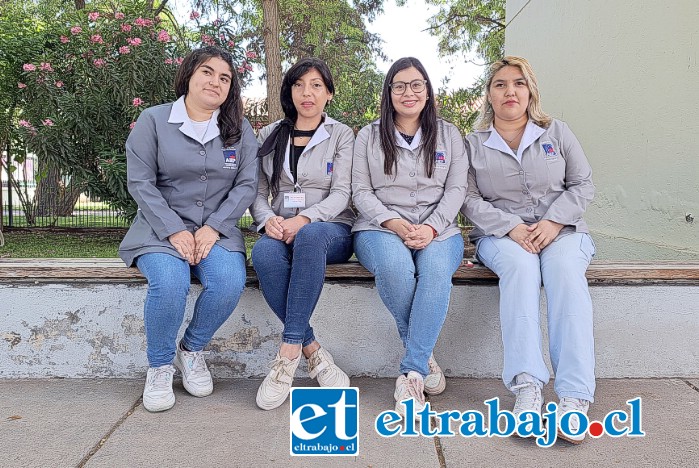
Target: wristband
[434, 231]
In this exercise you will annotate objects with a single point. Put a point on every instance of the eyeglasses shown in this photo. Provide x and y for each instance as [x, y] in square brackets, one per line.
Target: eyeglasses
[399, 87]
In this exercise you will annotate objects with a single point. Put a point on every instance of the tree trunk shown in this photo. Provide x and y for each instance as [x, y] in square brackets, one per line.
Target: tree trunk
[79, 4]
[54, 197]
[273, 58]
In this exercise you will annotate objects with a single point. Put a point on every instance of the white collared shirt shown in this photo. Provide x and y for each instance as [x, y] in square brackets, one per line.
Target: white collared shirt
[178, 114]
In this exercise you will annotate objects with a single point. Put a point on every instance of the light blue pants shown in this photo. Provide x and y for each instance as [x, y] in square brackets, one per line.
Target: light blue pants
[561, 266]
[222, 276]
[414, 285]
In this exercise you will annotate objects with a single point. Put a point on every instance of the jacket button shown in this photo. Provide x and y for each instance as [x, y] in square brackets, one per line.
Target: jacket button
[200, 203]
[412, 174]
[525, 192]
[521, 172]
[412, 194]
[304, 174]
[203, 177]
[414, 210]
[202, 152]
[529, 210]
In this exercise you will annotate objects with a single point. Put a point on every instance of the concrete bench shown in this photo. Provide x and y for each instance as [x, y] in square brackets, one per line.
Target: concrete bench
[83, 318]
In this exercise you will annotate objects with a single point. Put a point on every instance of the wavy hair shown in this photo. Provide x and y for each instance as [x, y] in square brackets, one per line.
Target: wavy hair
[487, 115]
[230, 117]
[387, 126]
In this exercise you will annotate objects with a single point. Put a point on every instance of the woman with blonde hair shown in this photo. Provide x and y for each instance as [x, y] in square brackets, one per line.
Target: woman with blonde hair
[529, 183]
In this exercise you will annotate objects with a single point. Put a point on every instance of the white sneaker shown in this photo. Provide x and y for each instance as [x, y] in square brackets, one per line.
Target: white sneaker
[567, 405]
[158, 394]
[196, 377]
[276, 387]
[435, 383]
[322, 366]
[528, 391]
[410, 387]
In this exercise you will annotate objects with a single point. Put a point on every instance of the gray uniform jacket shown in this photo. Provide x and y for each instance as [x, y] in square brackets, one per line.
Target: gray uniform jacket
[182, 184]
[408, 193]
[549, 178]
[324, 175]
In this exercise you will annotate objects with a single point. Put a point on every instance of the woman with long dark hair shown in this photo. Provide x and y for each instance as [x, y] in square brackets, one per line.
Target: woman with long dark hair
[306, 167]
[408, 183]
[192, 169]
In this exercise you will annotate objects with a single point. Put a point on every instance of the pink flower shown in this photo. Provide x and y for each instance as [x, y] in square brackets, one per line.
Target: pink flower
[250, 54]
[179, 60]
[75, 30]
[25, 124]
[45, 66]
[47, 122]
[132, 125]
[64, 39]
[148, 22]
[231, 44]
[217, 22]
[28, 67]
[59, 84]
[140, 22]
[123, 50]
[21, 85]
[97, 39]
[93, 16]
[99, 63]
[208, 40]
[194, 15]
[248, 67]
[136, 41]
[126, 27]
[163, 36]
[241, 70]
[118, 15]
[137, 101]
[222, 36]
[168, 61]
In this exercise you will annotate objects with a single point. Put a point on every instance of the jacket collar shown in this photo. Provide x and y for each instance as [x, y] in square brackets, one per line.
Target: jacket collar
[531, 133]
[178, 114]
[400, 142]
[320, 135]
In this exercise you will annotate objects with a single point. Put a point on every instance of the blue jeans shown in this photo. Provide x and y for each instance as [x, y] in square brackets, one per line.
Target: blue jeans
[292, 275]
[561, 266]
[222, 275]
[414, 285]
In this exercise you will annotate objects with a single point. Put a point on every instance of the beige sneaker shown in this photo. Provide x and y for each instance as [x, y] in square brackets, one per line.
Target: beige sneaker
[529, 397]
[567, 405]
[157, 393]
[321, 366]
[435, 383]
[276, 387]
[410, 387]
[196, 377]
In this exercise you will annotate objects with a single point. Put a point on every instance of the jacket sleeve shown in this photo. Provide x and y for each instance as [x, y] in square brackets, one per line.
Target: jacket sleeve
[455, 185]
[341, 183]
[244, 189]
[579, 191]
[491, 220]
[363, 196]
[142, 175]
[261, 210]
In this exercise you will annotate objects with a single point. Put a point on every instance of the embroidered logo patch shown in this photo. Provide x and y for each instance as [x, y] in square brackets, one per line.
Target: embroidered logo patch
[549, 150]
[440, 159]
[329, 169]
[230, 160]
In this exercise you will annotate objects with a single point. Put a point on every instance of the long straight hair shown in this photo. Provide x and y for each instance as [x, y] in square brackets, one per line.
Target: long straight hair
[428, 119]
[299, 69]
[230, 117]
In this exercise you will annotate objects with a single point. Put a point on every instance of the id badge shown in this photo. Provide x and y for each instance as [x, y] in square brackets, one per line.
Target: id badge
[294, 200]
[230, 158]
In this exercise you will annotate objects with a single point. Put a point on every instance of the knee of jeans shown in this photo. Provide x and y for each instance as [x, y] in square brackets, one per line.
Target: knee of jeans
[519, 263]
[170, 286]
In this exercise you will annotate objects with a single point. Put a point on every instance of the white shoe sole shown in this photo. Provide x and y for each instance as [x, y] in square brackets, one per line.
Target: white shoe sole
[569, 439]
[267, 404]
[161, 406]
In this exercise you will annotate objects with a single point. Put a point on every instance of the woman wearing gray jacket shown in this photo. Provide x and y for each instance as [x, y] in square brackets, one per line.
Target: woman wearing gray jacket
[528, 187]
[306, 166]
[192, 169]
[408, 183]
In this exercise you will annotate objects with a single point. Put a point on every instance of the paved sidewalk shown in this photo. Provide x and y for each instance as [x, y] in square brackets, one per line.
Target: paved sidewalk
[96, 423]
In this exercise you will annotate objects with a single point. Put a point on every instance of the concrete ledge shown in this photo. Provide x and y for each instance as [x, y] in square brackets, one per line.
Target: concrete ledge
[71, 318]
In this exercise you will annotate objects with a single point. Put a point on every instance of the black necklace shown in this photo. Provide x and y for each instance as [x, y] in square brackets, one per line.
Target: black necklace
[303, 133]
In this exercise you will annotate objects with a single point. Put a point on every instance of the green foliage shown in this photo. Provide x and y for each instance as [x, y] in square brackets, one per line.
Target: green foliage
[460, 107]
[465, 26]
[97, 70]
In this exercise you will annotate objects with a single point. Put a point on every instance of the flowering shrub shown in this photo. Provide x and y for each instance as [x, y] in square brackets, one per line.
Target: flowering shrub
[81, 98]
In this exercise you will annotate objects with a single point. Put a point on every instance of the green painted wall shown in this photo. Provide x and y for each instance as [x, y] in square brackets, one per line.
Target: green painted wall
[625, 76]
